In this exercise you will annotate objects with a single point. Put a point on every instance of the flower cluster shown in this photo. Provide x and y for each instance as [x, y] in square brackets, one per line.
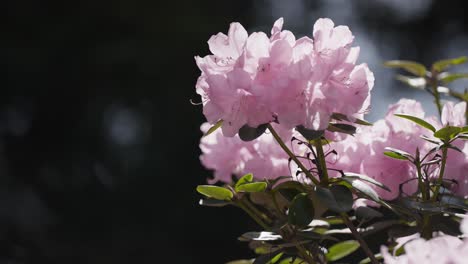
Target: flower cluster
[443, 249]
[362, 153]
[255, 79]
[294, 108]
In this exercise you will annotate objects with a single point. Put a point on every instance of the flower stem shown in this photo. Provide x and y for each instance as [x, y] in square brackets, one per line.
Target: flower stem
[303, 254]
[361, 241]
[422, 187]
[257, 212]
[426, 229]
[434, 85]
[291, 155]
[253, 215]
[322, 166]
[441, 174]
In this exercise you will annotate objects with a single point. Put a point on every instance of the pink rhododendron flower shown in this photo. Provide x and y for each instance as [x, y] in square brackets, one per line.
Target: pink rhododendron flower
[442, 249]
[255, 79]
[363, 153]
[223, 155]
[230, 156]
[457, 163]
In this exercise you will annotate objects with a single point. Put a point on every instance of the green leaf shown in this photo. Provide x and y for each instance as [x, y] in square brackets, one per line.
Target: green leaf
[274, 181]
[301, 211]
[454, 201]
[341, 117]
[216, 192]
[450, 77]
[308, 133]
[397, 154]
[292, 261]
[430, 207]
[247, 133]
[311, 235]
[444, 64]
[362, 187]
[252, 187]
[213, 202]
[367, 260]
[341, 250]
[214, 127]
[337, 198]
[410, 66]
[428, 139]
[366, 179]
[240, 261]
[418, 121]
[268, 258]
[367, 213]
[413, 82]
[378, 226]
[447, 133]
[342, 128]
[260, 236]
[294, 185]
[243, 180]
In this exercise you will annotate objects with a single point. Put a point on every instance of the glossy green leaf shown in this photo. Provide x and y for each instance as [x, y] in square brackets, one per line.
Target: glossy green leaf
[301, 210]
[409, 66]
[366, 213]
[292, 261]
[430, 207]
[394, 155]
[397, 154]
[244, 179]
[341, 117]
[418, 121]
[312, 235]
[444, 64]
[213, 202]
[247, 133]
[240, 261]
[378, 226]
[341, 250]
[270, 258]
[367, 260]
[260, 236]
[214, 128]
[295, 185]
[309, 134]
[216, 192]
[342, 128]
[252, 187]
[454, 201]
[366, 179]
[447, 133]
[363, 188]
[337, 198]
[450, 77]
[413, 82]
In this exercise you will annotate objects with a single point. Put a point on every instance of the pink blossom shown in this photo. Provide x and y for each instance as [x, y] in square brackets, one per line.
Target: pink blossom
[454, 114]
[457, 162]
[223, 155]
[443, 249]
[230, 156]
[363, 153]
[255, 79]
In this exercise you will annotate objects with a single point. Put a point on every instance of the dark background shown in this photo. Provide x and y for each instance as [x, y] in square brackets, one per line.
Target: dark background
[98, 139]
